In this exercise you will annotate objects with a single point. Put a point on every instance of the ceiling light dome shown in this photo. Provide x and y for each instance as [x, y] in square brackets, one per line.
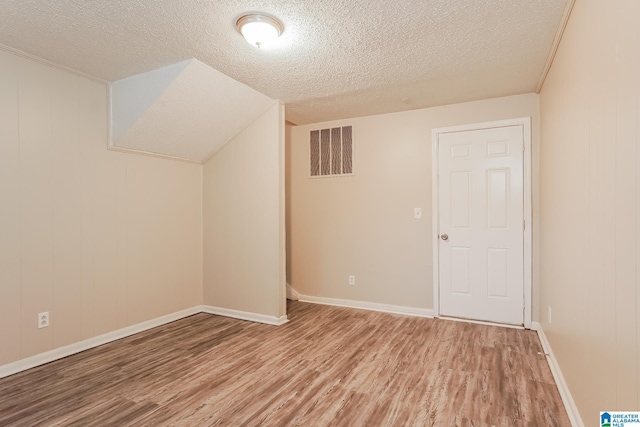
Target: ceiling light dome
[259, 29]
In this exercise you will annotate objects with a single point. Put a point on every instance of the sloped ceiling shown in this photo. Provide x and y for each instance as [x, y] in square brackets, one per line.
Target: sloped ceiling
[337, 58]
[186, 110]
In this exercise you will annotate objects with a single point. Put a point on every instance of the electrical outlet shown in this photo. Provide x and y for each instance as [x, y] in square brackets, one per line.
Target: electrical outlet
[43, 320]
[352, 280]
[549, 315]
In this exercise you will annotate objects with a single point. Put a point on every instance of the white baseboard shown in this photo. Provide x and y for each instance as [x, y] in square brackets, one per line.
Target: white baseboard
[563, 388]
[292, 294]
[365, 305]
[68, 350]
[245, 315]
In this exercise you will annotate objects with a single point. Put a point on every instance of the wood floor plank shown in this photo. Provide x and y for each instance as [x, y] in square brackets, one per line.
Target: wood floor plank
[329, 366]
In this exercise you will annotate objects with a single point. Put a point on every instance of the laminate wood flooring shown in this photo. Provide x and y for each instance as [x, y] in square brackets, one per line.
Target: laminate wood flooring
[329, 366]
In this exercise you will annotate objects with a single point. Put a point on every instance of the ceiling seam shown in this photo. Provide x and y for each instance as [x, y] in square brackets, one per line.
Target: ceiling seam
[152, 154]
[556, 43]
[48, 63]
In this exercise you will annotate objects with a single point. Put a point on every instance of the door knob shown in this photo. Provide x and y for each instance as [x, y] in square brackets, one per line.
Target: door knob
[444, 236]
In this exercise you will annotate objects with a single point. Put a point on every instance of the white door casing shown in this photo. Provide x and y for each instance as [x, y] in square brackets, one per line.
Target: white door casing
[482, 251]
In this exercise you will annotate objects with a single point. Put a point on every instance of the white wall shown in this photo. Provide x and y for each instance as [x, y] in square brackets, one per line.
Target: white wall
[363, 224]
[244, 220]
[131, 97]
[590, 200]
[101, 240]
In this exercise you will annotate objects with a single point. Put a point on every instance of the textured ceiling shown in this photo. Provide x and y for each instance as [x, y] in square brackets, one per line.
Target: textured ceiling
[187, 110]
[337, 58]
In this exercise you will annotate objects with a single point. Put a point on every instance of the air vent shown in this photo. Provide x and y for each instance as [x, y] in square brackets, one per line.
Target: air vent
[331, 152]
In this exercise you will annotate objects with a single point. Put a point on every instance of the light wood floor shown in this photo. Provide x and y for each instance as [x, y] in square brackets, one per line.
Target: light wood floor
[329, 366]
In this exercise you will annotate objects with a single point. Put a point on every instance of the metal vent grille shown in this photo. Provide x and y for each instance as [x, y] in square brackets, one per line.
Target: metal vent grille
[331, 152]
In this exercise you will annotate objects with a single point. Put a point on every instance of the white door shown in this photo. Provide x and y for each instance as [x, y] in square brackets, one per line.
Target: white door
[481, 222]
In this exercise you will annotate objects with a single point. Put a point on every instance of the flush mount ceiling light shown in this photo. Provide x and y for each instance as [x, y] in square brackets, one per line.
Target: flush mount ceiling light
[259, 29]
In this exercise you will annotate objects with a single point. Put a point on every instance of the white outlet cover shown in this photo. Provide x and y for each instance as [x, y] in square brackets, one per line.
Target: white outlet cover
[43, 320]
[417, 213]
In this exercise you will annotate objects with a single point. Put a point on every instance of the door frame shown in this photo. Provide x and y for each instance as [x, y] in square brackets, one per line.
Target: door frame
[525, 122]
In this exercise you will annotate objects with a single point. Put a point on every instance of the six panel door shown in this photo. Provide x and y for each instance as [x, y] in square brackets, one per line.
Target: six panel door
[481, 216]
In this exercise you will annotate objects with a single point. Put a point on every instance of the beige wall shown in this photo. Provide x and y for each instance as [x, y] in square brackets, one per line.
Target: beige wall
[590, 200]
[101, 240]
[363, 224]
[244, 220]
